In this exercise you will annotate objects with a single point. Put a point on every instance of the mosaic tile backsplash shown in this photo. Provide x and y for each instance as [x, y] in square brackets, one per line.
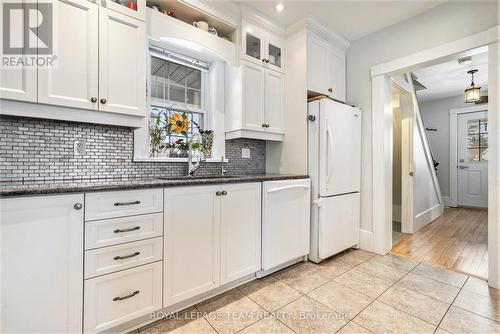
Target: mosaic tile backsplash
[43, 149]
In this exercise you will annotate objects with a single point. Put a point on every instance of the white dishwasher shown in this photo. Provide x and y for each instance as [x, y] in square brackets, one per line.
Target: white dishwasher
[285, 221]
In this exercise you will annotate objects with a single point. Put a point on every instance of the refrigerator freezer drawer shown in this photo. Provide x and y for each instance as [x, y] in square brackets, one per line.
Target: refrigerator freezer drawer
[338, 224]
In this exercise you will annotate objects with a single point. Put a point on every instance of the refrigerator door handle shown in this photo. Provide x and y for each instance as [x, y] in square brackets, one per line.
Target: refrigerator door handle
[329, 146]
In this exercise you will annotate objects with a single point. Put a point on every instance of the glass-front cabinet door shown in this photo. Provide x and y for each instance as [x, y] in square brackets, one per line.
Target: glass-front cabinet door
[253, 46]
[274, 54]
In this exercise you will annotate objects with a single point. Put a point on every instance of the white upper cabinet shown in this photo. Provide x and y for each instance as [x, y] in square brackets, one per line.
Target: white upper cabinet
[74, 81]
[17, 83]
[253, 96]
[133, 8]
[41, 261]
[274, 106]
[262, 47]
[240, 237]
[325, 67]
[122, 59]
[101, 64]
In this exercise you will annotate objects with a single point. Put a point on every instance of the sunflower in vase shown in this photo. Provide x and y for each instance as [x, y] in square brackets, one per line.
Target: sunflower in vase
[178, 123]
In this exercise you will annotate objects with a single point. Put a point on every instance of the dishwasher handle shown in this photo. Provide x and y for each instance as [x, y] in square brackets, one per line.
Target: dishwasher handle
[304, 186]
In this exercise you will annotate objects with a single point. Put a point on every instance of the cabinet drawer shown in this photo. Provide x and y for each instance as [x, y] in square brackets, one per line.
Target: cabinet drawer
[120, 230]
[116, 298]
[113, 204]
[115, 258]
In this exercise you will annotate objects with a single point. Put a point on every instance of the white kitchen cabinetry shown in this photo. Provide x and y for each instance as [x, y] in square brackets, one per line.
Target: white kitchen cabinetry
[74, 81]
[240, 230]
[41, 240]
[19, 83]
[212, 237]
[257, 106]
[192, 242]
[122, 59]
[262, 47]
[325, 67]
[123, 7]
[100, 66]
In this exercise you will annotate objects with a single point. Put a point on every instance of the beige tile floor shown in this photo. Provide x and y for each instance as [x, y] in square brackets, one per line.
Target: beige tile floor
[356, 292]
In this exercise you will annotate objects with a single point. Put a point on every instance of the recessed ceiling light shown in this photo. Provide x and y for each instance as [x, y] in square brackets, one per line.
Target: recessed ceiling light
[279, 7]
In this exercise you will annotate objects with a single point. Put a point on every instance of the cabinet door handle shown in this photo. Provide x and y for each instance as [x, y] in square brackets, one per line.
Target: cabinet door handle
[224, 193]
[127, 203]
[93, 99]
[127, 230]
[267, 61]
[126, 256]
[127, 296]
[103, 101]
[263, 60]
[218, 193]
[330, 90]
[78, 206]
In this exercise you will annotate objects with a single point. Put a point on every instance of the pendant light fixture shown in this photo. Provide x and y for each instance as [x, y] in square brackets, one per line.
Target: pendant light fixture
[472, 93]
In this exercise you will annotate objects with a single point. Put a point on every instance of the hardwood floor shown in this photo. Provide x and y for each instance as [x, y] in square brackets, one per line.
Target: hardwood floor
[457, 240]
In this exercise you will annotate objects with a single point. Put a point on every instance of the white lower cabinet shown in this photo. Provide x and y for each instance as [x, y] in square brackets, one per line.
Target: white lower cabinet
[240, 231]
[111, 300]
[192, 242]
[212, 237]
[41, 264]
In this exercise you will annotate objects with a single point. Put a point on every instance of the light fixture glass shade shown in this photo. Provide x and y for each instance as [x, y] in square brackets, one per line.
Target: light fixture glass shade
[472, 94]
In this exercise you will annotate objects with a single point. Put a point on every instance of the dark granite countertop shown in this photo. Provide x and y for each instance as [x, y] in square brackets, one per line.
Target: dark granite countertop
[79, 185]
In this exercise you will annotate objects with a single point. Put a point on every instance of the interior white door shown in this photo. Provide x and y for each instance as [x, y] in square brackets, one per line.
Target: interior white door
[74, 81]
[17, 83]
[240, 230]
[41, 264]
[253, 96]
[338, 223]
[472, 156]
[122, 63]
[192, 242]
[274, 101]
[340, 148]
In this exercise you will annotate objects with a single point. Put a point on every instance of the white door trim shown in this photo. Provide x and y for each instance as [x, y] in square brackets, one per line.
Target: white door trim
[382, 138]
[454, 112]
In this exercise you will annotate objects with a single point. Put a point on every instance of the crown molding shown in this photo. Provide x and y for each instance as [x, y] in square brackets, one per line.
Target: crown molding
[313, 24]
[254, 16]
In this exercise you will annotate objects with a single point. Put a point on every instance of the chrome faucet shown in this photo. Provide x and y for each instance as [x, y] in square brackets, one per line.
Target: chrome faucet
[193, 167]
[223, 171]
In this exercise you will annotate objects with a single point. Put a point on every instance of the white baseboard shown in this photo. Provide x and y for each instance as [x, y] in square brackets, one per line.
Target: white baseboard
[446, 201]
[366, 240]
[428, 216]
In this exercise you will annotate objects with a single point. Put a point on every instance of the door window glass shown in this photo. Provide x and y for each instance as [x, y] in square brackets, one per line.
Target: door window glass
[274, 55]
[477, 140]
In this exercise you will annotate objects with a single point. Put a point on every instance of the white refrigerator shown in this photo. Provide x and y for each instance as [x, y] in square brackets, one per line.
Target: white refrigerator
[334, 164]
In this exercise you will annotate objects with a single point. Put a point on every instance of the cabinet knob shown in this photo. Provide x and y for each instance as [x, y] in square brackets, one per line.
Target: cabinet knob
[263, 60]
[103, 101]
[267, 61]
[218, 193]
[93, 99]
[224, 193]
[330, 90]
[78, 206]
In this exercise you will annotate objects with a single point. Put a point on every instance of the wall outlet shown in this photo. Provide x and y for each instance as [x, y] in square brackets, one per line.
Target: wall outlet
[245, 153]
[79, 148]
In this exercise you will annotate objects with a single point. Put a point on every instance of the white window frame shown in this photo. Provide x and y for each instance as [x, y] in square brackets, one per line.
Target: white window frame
[208, 93]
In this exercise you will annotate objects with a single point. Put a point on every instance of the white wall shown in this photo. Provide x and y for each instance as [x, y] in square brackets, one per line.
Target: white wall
[445, 23]
[435, 114]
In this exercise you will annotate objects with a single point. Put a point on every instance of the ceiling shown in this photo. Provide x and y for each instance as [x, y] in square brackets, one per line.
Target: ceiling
[350, 19]
[449, 79]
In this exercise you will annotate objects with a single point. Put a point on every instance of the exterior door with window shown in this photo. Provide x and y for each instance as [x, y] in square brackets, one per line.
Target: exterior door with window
[472, 156]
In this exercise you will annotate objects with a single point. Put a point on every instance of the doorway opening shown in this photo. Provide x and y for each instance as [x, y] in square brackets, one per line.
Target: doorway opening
[446, 223]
